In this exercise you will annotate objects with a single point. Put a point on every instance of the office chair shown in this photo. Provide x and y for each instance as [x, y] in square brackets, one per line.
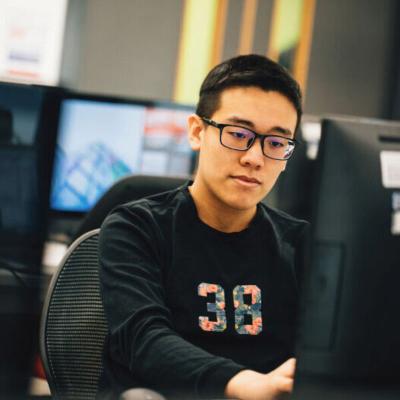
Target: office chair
[73, 326]
[126, 189]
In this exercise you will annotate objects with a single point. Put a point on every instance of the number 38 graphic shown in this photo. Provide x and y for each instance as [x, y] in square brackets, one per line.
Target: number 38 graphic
[242, 309]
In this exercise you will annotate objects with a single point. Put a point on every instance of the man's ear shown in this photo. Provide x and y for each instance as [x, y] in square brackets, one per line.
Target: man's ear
[195, 129]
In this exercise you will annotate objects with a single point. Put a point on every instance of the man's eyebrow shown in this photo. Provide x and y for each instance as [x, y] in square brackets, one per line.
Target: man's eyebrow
[250, 124]
[241, 121]
[281, 130]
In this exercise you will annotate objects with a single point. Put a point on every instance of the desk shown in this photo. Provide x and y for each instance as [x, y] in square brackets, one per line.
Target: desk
[318, 389]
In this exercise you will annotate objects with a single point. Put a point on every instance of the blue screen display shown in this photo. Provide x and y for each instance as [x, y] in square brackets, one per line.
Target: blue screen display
[100, 142]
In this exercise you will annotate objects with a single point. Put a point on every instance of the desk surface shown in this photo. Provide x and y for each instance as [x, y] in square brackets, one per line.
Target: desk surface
[317, 389]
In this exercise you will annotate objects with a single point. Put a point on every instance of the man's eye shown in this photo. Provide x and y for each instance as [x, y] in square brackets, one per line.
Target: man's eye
[239, 135]
[276, 142]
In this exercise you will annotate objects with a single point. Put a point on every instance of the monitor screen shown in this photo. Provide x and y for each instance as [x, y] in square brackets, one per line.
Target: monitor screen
[26, 126]
[23, 104]
[101, 140]
[349, 325]
[21, 208]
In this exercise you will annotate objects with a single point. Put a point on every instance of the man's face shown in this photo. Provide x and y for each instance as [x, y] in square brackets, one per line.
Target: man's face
[241, 179]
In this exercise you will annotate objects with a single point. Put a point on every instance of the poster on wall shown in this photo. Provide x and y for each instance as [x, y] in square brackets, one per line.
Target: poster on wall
[31, 39]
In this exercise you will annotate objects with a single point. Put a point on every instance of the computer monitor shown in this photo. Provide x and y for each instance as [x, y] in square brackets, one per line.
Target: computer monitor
[349, 332]
[23, 104]
[101, 140]
[24, 192]
[23, 205]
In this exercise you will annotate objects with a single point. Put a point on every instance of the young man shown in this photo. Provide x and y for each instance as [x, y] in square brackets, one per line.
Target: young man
[199, 283]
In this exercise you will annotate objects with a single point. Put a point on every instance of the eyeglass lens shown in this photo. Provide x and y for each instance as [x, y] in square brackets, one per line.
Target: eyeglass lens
[238, 138]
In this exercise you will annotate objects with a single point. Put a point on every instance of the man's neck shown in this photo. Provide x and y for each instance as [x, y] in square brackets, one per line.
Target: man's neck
[217, 215]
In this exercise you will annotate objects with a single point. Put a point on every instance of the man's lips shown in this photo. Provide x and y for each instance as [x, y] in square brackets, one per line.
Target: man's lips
[246, 179]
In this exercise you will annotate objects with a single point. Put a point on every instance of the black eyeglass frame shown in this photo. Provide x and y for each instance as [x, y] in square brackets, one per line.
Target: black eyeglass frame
[256, 135]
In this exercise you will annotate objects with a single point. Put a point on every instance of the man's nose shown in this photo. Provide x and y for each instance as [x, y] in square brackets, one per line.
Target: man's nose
[254, 155]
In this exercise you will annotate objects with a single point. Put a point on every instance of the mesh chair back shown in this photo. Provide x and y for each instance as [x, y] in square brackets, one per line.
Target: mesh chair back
[73, 324]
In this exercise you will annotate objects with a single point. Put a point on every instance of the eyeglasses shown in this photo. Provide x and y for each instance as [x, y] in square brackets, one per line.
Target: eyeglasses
[239, 138]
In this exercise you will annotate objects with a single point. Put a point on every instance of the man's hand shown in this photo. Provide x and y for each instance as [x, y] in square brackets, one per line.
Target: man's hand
[251, 385]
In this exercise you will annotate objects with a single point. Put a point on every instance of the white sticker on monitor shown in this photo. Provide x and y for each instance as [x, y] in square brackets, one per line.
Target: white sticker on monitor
[390, 166]
[396, 201]
[395, 223]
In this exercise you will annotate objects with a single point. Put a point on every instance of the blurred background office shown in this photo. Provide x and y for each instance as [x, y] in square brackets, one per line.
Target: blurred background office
[344, 53]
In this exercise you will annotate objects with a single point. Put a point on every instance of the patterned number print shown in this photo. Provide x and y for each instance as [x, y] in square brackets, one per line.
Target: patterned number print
[218, 307]
[242, 309]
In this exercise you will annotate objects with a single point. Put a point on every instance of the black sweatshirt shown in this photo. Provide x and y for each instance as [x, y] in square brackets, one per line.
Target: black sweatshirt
[188, 306]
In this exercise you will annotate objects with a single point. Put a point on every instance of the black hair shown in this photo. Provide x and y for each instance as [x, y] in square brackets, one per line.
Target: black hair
[245, 71]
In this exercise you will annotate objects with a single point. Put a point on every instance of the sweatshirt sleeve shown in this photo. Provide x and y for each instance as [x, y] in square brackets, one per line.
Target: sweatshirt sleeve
[142, 337]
